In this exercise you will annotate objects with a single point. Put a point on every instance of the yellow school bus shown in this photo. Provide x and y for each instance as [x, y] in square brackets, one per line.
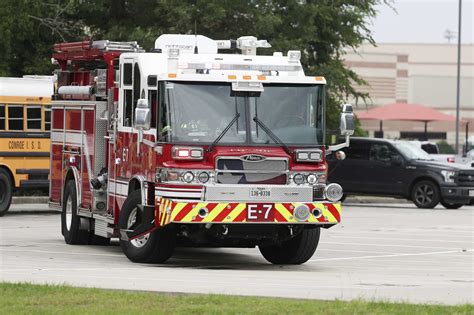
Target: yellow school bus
[25, 122]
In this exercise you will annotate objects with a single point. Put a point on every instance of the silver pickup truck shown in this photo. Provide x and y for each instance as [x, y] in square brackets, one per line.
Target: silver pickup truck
[433, 150]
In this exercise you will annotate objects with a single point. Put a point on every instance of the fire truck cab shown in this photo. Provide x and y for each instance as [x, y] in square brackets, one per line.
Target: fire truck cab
[188, 146]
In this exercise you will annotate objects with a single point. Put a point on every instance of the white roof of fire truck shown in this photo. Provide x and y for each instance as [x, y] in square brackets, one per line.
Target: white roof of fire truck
[196, 58]
[34, 86]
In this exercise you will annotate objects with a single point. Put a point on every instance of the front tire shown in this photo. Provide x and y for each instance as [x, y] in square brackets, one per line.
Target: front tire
[294, 251]
[6, 192]
[70, 221]
[451, 205]
[425, 194]
[155, 247]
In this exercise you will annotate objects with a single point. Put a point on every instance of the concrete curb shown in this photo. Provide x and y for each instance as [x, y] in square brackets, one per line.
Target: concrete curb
[378, 200]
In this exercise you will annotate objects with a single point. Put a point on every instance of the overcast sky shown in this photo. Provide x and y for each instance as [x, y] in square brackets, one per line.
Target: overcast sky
[423, 21]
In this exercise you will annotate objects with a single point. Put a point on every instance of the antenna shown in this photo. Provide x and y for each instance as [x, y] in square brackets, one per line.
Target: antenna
[196, 51]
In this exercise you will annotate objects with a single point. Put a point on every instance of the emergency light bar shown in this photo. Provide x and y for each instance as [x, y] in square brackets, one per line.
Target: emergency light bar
[238, 67]
[247, 44]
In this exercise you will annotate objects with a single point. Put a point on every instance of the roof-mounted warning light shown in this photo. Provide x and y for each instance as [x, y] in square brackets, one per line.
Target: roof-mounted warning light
[247, 44]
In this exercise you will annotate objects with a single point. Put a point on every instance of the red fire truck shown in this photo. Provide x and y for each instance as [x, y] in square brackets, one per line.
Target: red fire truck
[186, 146]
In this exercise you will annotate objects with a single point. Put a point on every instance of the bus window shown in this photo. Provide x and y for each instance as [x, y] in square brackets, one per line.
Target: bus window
[33, 117]
[47, 118]
[2, 117]
[15, 117]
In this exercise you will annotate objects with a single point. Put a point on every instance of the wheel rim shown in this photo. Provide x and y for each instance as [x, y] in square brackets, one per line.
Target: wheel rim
[424, 194]
[69, 213]
[142, 240]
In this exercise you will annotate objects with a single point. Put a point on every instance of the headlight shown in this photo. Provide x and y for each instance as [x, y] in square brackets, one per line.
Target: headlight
[203, 177]
[312, 179]
[298, 179]
[448, 176]
[188, 177]
[309, 155]
[177, 176]
[308, 178]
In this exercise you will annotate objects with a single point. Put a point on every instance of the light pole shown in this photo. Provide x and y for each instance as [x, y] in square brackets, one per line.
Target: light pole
[458, 87]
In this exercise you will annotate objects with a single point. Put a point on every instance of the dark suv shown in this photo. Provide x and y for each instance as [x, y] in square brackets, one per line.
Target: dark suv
[401, 169]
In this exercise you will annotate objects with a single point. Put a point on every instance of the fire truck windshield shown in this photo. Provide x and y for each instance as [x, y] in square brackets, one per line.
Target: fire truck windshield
[198, 112]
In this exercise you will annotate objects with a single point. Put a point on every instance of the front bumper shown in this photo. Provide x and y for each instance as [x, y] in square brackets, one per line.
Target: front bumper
[176, 211]
[455, 194]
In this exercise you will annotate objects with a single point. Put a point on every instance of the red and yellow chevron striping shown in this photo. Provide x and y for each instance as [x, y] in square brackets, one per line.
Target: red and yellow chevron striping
[231, 212]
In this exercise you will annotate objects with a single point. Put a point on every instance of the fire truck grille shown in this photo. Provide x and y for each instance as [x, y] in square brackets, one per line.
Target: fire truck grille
[235, 170]
[466, 178]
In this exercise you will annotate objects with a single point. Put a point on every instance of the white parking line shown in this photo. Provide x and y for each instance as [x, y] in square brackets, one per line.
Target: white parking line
[398, 239]
[386, 245]
[58, 252]
[392, 255]
[413, 234]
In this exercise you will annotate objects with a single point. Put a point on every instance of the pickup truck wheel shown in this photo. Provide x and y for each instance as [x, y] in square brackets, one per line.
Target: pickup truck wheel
[6, 191]
[451, 205]
[155, 247]
[70, 221]
[294, 251]
[425, 194]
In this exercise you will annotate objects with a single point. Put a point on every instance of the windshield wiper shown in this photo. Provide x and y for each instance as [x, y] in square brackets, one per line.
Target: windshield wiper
[273, 136]
[213, 144]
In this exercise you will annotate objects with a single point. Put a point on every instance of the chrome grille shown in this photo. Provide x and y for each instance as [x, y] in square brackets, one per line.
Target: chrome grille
[237, 170]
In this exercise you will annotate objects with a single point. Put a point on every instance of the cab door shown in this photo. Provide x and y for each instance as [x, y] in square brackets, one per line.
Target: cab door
[386, 169]
[352, 173]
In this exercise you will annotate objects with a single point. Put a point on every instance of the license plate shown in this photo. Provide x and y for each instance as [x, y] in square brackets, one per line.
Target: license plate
[471, 193]
[260, 192]
[260, 212]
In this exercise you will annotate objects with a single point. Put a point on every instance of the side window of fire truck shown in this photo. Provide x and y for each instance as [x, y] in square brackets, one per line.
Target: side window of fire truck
[127, 74]
[127, 108]
[153, 101]
[33, 117]
[15, 117]
[136, 87]
[127, 81]
[2, 117]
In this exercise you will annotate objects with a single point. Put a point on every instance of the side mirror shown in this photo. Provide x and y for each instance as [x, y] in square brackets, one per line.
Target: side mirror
[142, 115]
[347, 124]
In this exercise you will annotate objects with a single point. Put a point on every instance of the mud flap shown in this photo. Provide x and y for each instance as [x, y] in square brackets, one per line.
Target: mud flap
[145, 226]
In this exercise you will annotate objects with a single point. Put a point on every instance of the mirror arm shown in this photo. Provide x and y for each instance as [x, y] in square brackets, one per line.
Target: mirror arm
[339, 146]
[140, 140]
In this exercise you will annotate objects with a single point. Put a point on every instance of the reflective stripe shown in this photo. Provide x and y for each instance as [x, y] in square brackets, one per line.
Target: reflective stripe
[224, 212]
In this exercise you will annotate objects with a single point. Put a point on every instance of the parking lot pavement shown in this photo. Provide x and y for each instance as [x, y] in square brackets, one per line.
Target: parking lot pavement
[380, 252]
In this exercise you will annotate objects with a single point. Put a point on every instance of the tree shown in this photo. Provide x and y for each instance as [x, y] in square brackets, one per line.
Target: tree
[29, 29]
[321, 29]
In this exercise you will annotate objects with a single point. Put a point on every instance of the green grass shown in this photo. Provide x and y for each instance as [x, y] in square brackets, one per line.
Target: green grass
[48, 299]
